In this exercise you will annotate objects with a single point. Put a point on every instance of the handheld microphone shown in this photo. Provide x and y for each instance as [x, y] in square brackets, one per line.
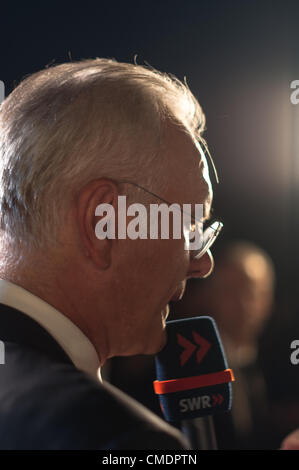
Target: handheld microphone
[193, 379]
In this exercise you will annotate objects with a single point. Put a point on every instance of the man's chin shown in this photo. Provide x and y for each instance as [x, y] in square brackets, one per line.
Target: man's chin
[163, 341]
[155, 346]
[155, 337]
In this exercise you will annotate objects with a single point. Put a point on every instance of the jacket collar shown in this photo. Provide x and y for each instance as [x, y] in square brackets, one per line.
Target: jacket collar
[16, 327]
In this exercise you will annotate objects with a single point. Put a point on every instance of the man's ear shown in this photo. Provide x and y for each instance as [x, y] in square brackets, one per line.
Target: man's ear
[91, 215]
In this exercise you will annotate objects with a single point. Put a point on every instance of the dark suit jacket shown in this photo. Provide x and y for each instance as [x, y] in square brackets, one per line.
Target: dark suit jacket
[47, 403]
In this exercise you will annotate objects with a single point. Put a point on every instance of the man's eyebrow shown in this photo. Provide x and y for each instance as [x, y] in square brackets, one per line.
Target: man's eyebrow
[207, 217]
[208, 210]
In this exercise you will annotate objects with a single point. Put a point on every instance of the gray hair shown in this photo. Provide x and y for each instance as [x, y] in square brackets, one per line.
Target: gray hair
[71, 123]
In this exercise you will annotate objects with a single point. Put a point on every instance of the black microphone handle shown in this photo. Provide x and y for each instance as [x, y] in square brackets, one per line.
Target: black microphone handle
[200, 432]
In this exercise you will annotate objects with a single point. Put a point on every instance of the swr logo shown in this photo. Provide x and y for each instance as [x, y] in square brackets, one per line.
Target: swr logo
[195, 403]
[190, 348]
[201, 402]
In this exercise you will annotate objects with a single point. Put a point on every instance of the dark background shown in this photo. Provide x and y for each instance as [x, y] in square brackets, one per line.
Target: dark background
[239, 57]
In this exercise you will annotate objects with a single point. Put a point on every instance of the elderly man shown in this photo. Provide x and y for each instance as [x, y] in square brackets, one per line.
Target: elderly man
[73, 137]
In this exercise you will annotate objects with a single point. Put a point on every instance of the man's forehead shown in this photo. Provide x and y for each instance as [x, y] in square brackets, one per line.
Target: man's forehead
[187, 164]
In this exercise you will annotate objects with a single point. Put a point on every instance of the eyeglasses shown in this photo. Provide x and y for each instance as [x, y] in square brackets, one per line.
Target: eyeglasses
[208, 235]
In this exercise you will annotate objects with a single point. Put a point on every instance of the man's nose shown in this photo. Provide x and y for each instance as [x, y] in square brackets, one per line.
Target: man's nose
[202, 267]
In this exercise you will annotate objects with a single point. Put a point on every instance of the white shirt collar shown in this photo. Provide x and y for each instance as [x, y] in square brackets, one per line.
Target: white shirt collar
[72, 340]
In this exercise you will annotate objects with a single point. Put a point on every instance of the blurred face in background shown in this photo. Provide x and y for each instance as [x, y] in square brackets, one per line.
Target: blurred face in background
[243, 297]
[239, 295]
